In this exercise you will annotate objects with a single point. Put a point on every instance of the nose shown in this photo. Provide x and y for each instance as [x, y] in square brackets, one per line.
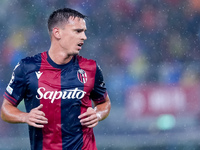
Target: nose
[84, 37]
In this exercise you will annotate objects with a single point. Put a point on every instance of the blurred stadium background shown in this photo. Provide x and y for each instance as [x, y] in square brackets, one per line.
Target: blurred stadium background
[149, 51]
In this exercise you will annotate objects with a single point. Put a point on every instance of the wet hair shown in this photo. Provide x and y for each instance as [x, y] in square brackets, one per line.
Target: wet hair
[61, 16]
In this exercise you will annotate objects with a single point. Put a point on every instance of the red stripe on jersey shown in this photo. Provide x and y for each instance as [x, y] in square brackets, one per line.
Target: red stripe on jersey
[90, 68]
[50, 79]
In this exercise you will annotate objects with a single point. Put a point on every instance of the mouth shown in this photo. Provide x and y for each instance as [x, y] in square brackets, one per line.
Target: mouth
[80, 45]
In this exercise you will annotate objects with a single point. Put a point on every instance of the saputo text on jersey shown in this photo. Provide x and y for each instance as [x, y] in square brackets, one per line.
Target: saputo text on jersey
[66, 94]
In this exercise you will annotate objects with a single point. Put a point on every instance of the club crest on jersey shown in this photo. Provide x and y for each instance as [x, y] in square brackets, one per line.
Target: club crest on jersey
[82, 76]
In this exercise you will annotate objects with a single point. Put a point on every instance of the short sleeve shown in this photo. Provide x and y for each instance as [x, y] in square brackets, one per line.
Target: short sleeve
[99, 92]
[16, 87]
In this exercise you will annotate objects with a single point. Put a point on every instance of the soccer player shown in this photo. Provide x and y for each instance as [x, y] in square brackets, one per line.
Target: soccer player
[58, 87]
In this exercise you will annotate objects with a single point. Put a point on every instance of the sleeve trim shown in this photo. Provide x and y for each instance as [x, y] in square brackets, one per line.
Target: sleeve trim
[102, 99]
[10, 99]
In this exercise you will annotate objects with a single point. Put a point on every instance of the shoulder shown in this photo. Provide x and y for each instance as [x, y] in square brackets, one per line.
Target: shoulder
[81, 59]
[32, 59]
[31, 62]
[87, 64]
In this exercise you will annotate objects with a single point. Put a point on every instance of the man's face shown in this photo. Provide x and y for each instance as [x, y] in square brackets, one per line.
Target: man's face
[73, 35]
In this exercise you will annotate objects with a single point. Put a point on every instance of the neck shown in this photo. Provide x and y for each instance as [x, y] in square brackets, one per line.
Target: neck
[59, 57]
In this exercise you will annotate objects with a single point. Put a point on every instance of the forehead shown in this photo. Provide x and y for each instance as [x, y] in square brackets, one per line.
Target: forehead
[76, 23]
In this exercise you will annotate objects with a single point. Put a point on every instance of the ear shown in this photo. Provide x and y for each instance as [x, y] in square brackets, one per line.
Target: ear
[56, 33]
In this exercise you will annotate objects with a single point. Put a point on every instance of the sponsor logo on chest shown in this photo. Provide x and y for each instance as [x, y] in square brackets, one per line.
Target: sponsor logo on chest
[66, 94]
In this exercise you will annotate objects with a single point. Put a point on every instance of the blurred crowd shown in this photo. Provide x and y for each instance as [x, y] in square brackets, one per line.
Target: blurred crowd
[134, 41]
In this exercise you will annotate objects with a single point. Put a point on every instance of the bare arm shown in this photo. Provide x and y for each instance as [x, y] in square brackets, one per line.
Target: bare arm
[103, 109]
[12, 114]
[92, 116]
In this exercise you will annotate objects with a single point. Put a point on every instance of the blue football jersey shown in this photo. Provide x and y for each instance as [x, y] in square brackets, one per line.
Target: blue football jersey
[65, 91]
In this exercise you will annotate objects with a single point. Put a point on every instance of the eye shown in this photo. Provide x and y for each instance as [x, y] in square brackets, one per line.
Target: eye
[79, 30]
